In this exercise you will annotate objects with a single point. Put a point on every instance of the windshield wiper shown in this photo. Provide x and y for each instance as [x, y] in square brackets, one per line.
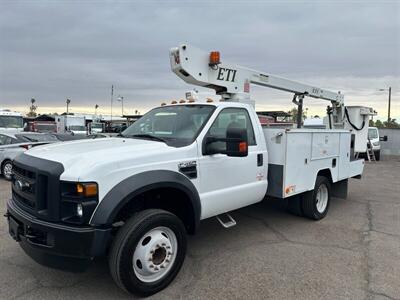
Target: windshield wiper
[146, 136]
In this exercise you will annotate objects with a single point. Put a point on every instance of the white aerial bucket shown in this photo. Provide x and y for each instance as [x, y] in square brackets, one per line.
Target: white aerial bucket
[357, 121]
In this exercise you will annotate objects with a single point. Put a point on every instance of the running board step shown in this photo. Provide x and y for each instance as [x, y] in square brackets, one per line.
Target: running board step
[226, 220]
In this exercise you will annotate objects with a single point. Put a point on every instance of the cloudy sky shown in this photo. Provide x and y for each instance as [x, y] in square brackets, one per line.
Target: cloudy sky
[53, 50]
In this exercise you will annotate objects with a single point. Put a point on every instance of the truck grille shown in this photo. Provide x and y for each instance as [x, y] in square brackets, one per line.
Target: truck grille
[24, 186]
[35, 186]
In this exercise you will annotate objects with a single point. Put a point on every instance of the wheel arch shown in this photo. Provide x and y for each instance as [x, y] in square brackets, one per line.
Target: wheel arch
[135, 191]
[326, 173]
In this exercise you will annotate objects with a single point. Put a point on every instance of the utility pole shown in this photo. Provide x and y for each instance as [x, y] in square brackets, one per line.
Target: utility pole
[68, 102]
[390, 96]
[112, 96]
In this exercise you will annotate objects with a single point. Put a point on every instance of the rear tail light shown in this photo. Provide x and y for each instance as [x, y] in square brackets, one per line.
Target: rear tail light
[26, 146]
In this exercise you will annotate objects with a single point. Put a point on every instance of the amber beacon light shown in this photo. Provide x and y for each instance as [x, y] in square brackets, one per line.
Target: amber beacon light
[214, 58]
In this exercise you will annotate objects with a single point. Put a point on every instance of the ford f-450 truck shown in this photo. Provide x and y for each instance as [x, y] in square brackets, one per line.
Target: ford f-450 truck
[133, 198]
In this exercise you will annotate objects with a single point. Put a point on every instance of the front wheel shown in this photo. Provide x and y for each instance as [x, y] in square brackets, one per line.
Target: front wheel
[148, 252]
[315, 203]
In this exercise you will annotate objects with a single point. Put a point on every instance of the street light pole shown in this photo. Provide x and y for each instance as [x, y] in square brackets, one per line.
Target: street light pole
[120, 98]
[68, 102]
[390, 95]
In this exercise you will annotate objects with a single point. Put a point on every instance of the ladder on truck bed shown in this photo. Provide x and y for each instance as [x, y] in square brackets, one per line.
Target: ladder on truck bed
[370, 152]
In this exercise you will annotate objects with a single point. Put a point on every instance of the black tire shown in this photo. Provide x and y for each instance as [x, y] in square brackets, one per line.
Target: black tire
[126, 241]
[309, 200]
[3, 167]
[378, 155]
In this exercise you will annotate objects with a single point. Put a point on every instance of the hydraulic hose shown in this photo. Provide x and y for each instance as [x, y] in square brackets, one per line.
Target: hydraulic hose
[352, 125]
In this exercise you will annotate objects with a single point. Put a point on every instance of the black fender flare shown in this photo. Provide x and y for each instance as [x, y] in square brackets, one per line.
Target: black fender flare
[134, 185]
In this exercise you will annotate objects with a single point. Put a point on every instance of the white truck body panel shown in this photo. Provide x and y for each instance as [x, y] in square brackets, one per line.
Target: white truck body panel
[301, 153]
[64, 124]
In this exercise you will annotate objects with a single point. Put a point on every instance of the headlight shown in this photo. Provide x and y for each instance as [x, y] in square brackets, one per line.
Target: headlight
[78, 201]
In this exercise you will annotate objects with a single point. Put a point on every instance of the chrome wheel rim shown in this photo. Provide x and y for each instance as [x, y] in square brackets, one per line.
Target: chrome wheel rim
[322, 198]
[7, 170]
[155, 254]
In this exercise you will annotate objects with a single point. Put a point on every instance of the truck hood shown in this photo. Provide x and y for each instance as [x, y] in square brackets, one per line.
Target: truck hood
[83, 158]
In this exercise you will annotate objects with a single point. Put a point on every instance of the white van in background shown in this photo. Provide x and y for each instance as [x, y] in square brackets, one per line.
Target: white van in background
[373, 136]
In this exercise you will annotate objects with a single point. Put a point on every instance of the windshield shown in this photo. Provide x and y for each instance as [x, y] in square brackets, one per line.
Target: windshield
[77, 128]
[11, 122]
[37, 137]
[372, 133]
[177, 125]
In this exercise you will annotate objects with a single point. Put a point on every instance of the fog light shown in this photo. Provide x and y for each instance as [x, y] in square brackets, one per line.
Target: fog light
[79, 210]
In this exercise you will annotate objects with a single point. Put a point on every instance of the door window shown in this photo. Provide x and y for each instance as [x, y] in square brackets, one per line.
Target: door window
[231, 118]
[5, 140]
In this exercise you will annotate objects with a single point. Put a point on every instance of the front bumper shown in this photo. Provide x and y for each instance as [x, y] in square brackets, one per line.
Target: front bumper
[56, 245]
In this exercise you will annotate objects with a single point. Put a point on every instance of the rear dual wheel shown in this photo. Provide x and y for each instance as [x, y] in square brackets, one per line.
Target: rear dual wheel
[148, 252]
[313, 204]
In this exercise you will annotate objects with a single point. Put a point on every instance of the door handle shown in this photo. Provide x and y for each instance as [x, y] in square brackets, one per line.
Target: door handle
[260, 159]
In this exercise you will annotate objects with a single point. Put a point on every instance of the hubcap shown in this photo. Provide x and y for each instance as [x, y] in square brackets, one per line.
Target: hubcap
[155, 254]
[7, 170]
[322, 198]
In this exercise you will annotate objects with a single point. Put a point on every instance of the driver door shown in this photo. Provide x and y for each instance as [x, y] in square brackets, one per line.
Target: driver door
[227, 183]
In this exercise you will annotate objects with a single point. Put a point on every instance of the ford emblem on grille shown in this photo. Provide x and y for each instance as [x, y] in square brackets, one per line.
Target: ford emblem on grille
[22, 185]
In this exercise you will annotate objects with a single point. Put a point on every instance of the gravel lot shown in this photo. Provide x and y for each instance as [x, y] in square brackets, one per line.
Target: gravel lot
[353, 253]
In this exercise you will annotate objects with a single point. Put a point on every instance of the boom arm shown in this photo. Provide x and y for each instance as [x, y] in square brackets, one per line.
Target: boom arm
[192, 65]
[232, 82]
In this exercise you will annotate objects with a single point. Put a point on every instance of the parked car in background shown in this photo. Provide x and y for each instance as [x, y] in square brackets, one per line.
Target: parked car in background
[64, 137]
[12, 144]
[373, 136]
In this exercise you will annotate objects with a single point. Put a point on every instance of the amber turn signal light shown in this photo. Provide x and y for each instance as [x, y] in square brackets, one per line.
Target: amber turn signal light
[86, 189]
[242, 147]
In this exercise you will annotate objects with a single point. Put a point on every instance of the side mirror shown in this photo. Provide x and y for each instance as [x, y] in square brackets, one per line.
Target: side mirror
[234, 145]
[383, 138]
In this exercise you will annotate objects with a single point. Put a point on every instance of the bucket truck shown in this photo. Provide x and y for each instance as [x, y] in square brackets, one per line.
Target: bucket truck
[133, 198]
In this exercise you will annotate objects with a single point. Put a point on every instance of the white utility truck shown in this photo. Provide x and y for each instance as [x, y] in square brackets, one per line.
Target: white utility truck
[72, 124]
[134, 198]
[11, 120]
